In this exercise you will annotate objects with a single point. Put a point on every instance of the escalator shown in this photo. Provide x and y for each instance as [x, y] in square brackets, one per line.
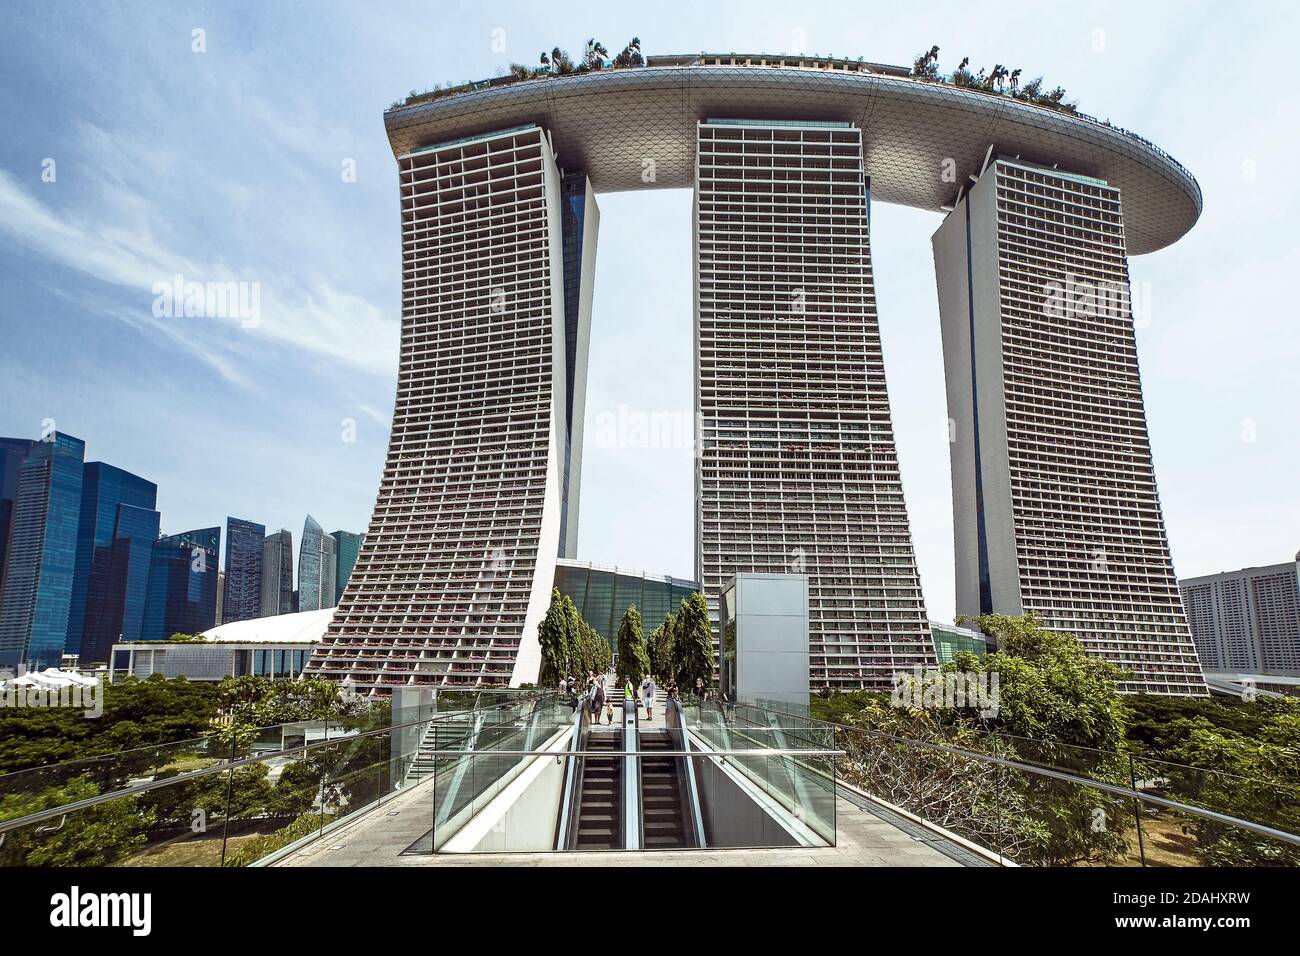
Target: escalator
[664, 809]
[599, 821]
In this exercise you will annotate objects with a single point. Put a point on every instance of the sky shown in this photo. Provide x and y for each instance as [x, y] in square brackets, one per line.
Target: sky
[136, 149]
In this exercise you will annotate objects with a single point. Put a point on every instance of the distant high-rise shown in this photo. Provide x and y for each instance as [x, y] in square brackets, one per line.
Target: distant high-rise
[121, 575]
[347, 545]
[13, 452]
[315, 568]
[1247, 621]
[1054, 493]
[277, 573]
[105, 489]
[242, 597]
[36, 593]
[182, 584]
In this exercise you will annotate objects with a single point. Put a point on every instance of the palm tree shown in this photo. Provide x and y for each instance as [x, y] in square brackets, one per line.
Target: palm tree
[593, 58]
[1015, 80]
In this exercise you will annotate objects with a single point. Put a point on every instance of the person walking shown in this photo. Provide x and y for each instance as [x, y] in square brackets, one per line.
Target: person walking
[699, 687]
[671, 688]
[597, 699]
[648, 694]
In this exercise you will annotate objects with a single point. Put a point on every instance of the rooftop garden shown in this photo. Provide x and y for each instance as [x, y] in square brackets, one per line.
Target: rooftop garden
[557, 62]
[998, 80]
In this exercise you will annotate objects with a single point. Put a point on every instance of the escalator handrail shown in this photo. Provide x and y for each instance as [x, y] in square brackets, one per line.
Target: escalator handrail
[573, 775]
[683, 742]
[630, 801]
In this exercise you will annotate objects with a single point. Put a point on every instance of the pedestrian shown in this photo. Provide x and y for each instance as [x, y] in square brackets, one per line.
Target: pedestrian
[597, 700]
[671, 688]
[648, 693]
[699, 688]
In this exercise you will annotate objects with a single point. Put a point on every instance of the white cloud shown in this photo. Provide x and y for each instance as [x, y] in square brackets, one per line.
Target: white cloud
[308, 314]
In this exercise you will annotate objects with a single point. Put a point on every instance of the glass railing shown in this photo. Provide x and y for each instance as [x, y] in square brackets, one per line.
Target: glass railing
[802, 787]
[1053, 804]
[184, 804]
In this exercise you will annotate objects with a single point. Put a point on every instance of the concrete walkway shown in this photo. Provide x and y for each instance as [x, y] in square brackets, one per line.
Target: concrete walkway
[398, 834]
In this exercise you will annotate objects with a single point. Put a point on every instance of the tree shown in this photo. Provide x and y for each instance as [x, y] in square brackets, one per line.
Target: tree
[98, 836]
[693, 643]
[553, 636]
[633, 663]
[663, 644]
[593, 57]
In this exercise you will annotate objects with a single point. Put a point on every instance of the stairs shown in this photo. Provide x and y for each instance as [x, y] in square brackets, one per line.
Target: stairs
[662, 823]
[599, 807]
[444, 733]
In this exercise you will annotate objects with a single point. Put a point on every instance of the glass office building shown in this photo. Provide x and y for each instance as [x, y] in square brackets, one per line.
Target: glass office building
[242, 597]
[601, 593]
[277, 574]
[120, 575]
[182, 596]
[347, 545]
[105, 489]
[13, 452]
[315, 568]
[949, 640]
[42, 558]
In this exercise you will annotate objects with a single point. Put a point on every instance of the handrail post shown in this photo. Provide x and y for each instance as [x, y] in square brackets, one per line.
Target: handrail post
[1137, 810]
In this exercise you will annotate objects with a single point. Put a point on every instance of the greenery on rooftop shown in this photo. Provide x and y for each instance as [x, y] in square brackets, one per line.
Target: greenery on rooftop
[1000, 79]
[557, 62]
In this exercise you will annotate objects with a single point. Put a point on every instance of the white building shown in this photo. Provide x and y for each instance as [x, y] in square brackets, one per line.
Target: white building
[276, 647]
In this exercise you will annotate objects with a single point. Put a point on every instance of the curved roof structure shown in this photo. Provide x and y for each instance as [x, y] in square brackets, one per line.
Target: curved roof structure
[302, 627]
[607, 123]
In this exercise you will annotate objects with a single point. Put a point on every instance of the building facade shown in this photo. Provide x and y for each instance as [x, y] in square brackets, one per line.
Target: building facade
[347, 545]
[797, 470]
[13, 452]
[102, 578]
[316, 561]
[36, 594]
[458, 563]
[277, 573]
[242, 587]
[950, 640]
[1055, 505]
[1247, 621]
[182, 596]
[602, 593]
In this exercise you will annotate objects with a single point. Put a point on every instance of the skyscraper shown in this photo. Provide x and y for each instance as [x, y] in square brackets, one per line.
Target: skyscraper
[797, 470]
[1247, 621]
[121, 574]
[346, 547]
[105, 489]
[315, 568]
[37, 590]
[277, 573]
[13, 452]
[1054, 492]
[242, 599]
[182, 595]
[474, 483]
